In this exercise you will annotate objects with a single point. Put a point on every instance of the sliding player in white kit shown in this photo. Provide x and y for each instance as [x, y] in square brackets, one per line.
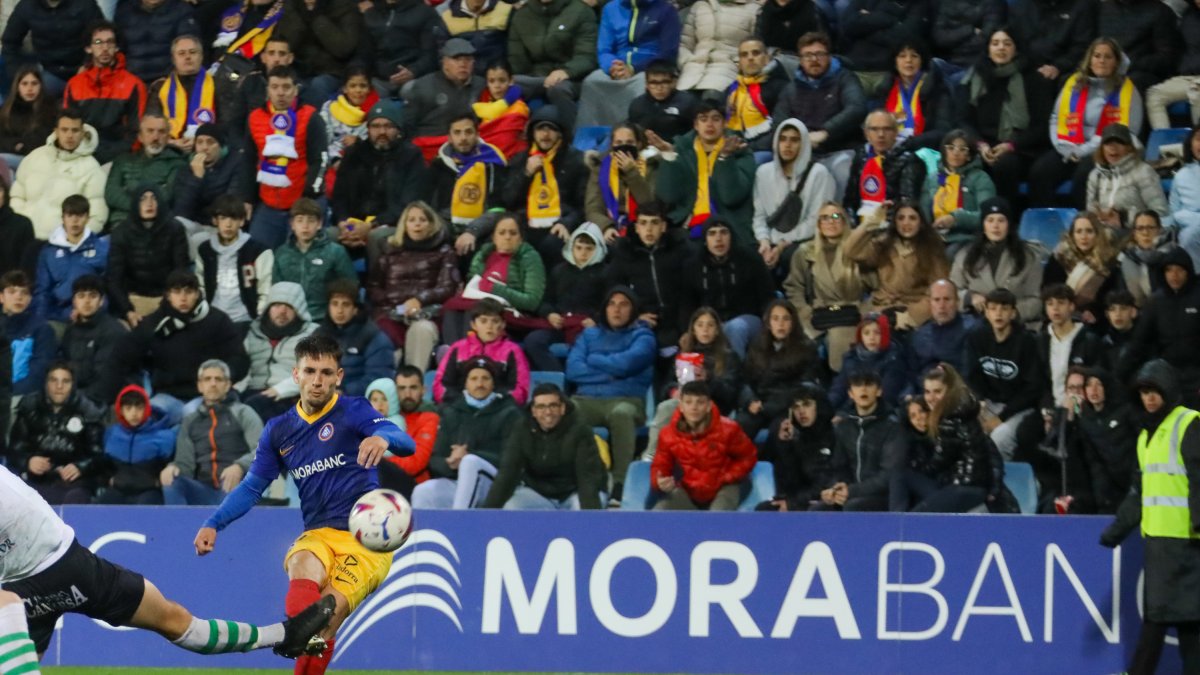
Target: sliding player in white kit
[45, 572]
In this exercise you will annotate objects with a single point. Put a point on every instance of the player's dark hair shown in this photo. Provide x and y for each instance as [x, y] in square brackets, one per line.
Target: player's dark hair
[317, 345]
[76, 205]
[407, 370]
[547, 389]
[695, 388]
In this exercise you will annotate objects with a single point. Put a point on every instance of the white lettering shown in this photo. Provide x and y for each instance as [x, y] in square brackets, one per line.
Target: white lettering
[1054, 555]
[817, 559]
[923, 588]
[666, 587]
[993, 553]
[556, 575]
[728, 596]
[318, 466]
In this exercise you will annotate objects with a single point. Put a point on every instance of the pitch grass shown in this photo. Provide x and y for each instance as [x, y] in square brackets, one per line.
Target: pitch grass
[117, 670]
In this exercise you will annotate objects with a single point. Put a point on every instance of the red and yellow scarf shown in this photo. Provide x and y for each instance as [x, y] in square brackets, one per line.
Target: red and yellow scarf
[253, 41]
[905, 104]
[746, 111]
[1072, 106]
[704, 205]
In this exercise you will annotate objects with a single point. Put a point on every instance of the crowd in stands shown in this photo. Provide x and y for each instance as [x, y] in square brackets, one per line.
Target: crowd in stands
[556, 237]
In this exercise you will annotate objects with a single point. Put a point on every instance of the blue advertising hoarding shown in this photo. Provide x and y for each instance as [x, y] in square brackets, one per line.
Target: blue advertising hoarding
[659, 593]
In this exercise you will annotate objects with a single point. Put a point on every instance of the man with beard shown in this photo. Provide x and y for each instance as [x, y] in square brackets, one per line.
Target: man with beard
[111, 98]
[150, 162]
[403, 473]
[465, 178]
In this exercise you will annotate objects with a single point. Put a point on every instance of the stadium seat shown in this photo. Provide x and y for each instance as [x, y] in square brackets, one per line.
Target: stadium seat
[554, 377]
[430, 375]
[1045, 225]
[760, 439]
[560, 350]
[1160, 137]
[762, 486]
[636, 494]
[592, 138]
[1018, 478]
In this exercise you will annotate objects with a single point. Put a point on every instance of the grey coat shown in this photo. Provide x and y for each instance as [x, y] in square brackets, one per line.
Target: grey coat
[271, 366]
[1026, 284]
[1130, 185]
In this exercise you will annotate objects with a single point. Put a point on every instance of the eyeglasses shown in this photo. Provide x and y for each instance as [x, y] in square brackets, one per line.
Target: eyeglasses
[543, 407]
[109, 42]
[813, 56]
[826, 217]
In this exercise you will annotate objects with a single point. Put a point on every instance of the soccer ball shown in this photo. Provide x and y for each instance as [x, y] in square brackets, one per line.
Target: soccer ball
[381, 520]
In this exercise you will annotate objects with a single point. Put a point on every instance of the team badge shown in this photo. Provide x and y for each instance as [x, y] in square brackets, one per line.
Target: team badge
[281, 121]
[871, 185]
[326, 432]
[204, 116]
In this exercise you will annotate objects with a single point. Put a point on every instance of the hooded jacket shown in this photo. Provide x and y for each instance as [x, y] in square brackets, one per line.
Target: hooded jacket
[834, 103]
[143, 253]
[731, 186]
[482, 430]
[736, 284]
[575, 289]
[719, 455]
[135, 169]
[1168, 325]
[212, 438]
[112, 100]
[146, 35]
[512, 381]
[976, 188]
[608, 362]
[772, 186]
[570, 173]
[803, 465]
[708, 45]
[271, 362]
[366, 351]
[555, 463]
[1109, 443]
[33, 345]
[873, 29]
[313, 268]
[426, 270]
[637, 32]
[656, 275]
[88, 345]
[49, 174]
[139, 453]
[387, 387]
[380, 183]
[59, 264]
[1130, 185]
[868, 448]
[546, 36]
[57, 33]
[70, 435]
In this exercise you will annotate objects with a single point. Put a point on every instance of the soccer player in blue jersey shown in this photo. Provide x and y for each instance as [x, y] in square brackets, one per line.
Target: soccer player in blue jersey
[330, 444]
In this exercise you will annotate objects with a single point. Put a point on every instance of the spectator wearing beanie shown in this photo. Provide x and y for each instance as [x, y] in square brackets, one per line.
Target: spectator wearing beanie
[59, 35]
[91, 336]
[234, 270]
[212, 172]
[152, 161]
[172, 342]
[149, 30]
[379, 176]
[111, 98]
[143, 252]
[187, 95]
[73, 251]
[998, 258]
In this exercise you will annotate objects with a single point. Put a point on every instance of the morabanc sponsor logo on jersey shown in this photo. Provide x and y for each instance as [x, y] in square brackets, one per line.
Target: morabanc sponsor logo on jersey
[318, 466]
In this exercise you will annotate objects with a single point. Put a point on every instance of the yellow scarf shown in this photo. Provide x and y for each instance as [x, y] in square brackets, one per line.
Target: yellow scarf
[948, 197]
[346, 112]
[705, 162]
[187, 112]
[747, 113]
[466, 204]
[544, 203]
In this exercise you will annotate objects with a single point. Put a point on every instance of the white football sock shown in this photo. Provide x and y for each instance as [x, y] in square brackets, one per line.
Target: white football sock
[216, 636]
[18, 656]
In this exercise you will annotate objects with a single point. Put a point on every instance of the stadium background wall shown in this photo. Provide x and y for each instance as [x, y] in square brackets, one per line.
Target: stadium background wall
[658, 593]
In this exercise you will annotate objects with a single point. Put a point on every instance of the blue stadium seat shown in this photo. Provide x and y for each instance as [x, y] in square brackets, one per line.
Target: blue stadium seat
[1018, 478]
[760, 439]
[554, 377]
[429, 377]
[592, 138]
[1180, 109]
[636, 494]
[1161, 137]
[762, 486]
[1045, 225]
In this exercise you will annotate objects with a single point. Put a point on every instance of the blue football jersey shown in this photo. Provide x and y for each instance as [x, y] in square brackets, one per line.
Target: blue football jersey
[321, 455]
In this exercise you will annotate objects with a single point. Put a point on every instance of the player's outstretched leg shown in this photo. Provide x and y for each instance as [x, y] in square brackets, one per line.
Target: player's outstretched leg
[214, 636]
[18, 656]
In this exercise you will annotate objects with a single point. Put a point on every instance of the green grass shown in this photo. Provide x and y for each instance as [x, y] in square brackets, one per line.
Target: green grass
[115, 670]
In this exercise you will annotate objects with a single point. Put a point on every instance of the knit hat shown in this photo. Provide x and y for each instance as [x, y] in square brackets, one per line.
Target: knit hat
[885, 329]
[996, 205]
[213, 131]
[387, 110]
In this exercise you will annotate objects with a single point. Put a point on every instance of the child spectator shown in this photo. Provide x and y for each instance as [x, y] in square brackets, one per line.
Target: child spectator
[138, 446]
[309, 258]
[917, 466]
[31, 339]
[801, 449]
[711, 453]
[1108, 429]
[27, 117]
[1122, 313]
[72, 251]
[873, 350]
[486, 338]
[90, 337]
[345, 117]
[663, 109]
[384, 399]
[1064, 342]
[501, 111]
[868, 448]
[573, 296]
[366, 350]
[721, 367]
[779, 358]
[234, 269]
[421, 422]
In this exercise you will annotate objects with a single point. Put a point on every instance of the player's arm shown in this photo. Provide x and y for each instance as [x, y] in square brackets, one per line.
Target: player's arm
[237, 503]
[381, 436]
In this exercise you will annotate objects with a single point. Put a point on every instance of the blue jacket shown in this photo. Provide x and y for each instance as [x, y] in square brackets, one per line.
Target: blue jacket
[366, 352]
[33, 348]
[1185, 197]
[932, 343]
[59, 265]
[151, 441]
[891, 366]
[655, 33]
[607, 363]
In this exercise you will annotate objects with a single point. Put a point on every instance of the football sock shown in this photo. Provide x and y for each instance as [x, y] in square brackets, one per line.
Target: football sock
[315, 665]
[301, 593]
[18, 655]
[214, 636]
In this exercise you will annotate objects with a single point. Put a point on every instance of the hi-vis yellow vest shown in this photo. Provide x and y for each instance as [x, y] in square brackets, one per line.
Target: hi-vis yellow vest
[1165, 510]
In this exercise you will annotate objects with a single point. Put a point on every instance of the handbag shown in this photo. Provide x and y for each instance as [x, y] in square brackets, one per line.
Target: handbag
[787, 216]
[835, 316]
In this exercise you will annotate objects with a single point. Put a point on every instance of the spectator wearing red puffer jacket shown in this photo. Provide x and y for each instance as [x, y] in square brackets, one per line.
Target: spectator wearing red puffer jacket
[112, 98]
[486, 338]
[712, 454]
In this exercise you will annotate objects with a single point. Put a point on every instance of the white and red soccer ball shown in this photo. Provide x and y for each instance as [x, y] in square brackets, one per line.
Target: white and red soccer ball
[381, 520]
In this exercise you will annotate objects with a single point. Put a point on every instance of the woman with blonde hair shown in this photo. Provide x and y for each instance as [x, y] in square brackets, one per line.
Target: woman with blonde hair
[1086, 260]
[415, 273]
[825, 286]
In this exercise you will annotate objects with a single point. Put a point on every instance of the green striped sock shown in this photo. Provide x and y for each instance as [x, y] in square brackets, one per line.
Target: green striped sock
[18, 656]
[216, 636]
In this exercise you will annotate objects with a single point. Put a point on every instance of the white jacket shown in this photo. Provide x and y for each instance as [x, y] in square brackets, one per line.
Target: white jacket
[708, 47]
[48, 175]
[771, 187]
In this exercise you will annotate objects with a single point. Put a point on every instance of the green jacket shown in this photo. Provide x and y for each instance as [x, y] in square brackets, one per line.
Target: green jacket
[130, 170]
[552, 463]
[977, 187]
[482, 431]
[731, 187]
[547, 36]
[526, 282]
[324, 261]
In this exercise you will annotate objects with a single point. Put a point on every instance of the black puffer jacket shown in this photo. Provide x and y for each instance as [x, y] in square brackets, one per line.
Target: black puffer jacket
[146, 35]
[867, 450]
[961, 28]
[402, 34]
[324, 38]
[1168, 326]
[143, 254]
[1109, 444]
[71, 435]
[781, 25]
[379, 183]
[872, 29]
[58, 34]
[804, 464]
[87, 345]
[961, 454]
[1147, 32]
[1053, 32]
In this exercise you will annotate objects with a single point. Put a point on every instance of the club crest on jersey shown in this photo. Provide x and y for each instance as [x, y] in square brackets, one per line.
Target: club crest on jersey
[326, 432]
